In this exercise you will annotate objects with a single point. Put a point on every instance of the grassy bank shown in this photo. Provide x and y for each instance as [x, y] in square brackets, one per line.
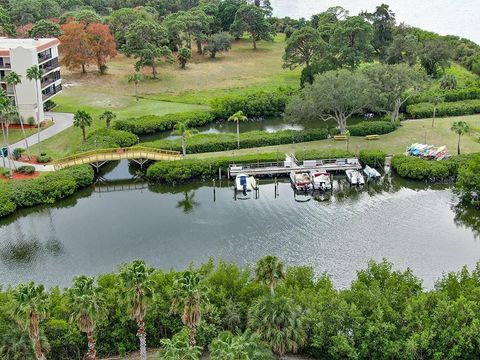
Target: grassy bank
[410, 132]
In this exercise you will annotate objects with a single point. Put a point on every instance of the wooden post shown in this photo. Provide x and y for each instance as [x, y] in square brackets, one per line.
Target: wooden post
[214, 195]
[219, 173]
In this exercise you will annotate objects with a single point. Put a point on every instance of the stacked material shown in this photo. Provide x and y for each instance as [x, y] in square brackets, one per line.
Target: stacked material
[428, 152]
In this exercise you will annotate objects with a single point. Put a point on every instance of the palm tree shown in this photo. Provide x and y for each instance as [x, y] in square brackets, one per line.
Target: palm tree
[34, 73]
[135, 78]
[188, 298]
[460, 128]
[108, 116]
[16, 345]
[4, 104]
[82, 119]
[437, 99]
[13, 79]
[237, 117]
[10, 115]
[279, 322]
[136, 279]
[29, 307]
[87, 306]
[269, 271]
[181, 128]
[178, 348]
[188, 203]
[233, 347]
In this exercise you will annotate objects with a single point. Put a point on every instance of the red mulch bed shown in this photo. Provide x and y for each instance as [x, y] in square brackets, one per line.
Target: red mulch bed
[43, 124]
[19, 176]
[33, 160]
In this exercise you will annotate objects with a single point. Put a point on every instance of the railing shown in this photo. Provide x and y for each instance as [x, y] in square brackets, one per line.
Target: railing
[49, 94]
[44, 56]
[5, 65]
[53, 64]
[117, 154]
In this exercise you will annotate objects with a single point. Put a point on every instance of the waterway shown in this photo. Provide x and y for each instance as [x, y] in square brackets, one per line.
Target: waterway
[411, 224]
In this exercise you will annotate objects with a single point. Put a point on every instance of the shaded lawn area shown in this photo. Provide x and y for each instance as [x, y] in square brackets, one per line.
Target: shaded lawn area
[17, 135]
[411, 131]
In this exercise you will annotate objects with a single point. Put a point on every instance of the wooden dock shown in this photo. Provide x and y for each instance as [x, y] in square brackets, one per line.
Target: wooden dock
[285, 167]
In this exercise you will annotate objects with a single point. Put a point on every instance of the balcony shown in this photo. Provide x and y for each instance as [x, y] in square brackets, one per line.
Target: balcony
[5, 64]
[49, 66]
[50, 91]
[44, 55]
[50, 79]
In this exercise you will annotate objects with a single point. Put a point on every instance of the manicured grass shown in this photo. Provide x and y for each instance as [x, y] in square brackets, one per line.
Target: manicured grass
[17, 135]
[411, 131]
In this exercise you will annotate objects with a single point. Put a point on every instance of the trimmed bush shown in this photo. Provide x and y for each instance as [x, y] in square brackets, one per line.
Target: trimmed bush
[458, 108]
[469, 93]
[184, 170]
[83, 175]
[42, 159]
[121, 138]
[371, 128]
[258, 104]
[374, 158]
[45, 189]
[468, 181]
[26, 169]
[150, 124]
[7, 206]
[323, 154]
[220, 142]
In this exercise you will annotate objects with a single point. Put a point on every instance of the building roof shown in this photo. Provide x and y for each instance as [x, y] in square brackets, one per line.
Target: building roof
[40, 44]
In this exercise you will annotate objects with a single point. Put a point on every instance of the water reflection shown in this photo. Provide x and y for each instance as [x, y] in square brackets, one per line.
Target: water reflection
[188, 203]
[410, 223]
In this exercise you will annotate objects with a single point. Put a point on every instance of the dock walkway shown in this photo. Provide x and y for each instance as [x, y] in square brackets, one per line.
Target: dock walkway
[285, 167]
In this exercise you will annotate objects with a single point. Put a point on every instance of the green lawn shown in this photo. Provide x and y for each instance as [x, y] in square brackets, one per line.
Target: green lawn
[17, 135]
[396, 142]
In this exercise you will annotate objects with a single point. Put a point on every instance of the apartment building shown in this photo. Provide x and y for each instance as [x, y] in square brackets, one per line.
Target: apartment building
[20, 54]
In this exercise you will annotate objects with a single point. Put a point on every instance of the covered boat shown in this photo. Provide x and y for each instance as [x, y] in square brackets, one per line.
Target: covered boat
[371, 173]
[301, 181]
[355, 177]
[321, 180]
[243, 183]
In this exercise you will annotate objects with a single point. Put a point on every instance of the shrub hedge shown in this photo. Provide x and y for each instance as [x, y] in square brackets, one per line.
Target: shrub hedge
[468, 93]
[7, 206]
[26, 169]
[374, 158]
[458, 108]
[220, 142]
[108, 138]
[257, 104]
[420, 169]
[371, 128]
[45, 189]
[152, 123]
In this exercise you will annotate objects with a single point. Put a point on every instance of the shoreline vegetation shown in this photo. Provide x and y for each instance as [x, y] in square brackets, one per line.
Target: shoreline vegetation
[267, 309]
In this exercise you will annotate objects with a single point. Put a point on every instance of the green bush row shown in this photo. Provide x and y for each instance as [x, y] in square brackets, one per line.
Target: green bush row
[458, 108]
[431, 170]
[469, 93]
[221, 142]
[259, 104]
[184, 170]
[371, 128]
[108, 138]
[45, 189]
[150, 124]
[372, 157]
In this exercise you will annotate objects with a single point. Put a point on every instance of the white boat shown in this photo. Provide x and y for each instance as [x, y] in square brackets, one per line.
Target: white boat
[243, 183]
[371, 172]
[355, 177]
[321, 180]
[301, 180]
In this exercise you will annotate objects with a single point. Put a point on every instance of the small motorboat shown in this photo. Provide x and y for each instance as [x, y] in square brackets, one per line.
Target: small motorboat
[371, 173]
[355, 177]
[243, 183]
[321, 180]
[301, 181]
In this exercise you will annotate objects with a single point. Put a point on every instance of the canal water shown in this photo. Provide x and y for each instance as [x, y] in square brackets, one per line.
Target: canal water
[410, 224]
